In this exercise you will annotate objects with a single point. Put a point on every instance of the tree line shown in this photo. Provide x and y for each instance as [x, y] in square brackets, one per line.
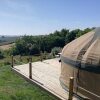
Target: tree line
[30, 45]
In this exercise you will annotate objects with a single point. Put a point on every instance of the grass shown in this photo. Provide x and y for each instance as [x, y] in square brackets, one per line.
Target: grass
[7, 60]
[13, 87]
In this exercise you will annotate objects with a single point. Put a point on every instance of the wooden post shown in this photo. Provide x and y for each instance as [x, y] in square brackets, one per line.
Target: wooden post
[30, 58]
[12, 61]
[30, 70]
[71, 88]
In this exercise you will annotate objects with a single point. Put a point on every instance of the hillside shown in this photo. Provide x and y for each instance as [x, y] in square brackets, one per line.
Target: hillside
[4, 40]
[6, 46]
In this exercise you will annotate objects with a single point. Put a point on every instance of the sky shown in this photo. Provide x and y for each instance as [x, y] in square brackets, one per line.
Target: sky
[35, 17]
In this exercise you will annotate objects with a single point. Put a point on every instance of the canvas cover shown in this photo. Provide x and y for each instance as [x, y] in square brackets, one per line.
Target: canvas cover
[81, 59]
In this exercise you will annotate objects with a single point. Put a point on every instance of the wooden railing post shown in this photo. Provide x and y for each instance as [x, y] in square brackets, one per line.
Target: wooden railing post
[30, 58]
[71, 88]
[12, 61]
[30, 69]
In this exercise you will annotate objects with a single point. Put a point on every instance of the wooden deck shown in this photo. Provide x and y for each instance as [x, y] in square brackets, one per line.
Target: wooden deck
[46, 75]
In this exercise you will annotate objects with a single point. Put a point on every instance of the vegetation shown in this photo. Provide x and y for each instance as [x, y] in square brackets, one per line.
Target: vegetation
[13, 87]
[6, 40]
[30, 45]
[1, 54]
[56, 50]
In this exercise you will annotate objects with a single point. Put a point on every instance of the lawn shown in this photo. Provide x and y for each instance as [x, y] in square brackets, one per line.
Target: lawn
[13, 87]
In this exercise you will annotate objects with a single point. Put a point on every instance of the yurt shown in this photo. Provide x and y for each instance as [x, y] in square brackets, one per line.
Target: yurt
[81, 59]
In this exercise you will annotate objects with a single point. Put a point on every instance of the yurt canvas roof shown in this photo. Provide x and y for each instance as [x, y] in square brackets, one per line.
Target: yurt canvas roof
[84, 52]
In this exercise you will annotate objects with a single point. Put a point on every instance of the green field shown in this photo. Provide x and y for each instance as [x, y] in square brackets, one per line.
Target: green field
[13, 87]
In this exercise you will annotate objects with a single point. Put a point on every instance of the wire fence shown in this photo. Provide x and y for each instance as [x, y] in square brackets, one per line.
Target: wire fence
[17, 62]
[20, 60]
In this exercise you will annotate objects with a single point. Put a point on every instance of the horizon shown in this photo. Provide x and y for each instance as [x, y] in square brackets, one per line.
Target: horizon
[10, 35]
[43, 17]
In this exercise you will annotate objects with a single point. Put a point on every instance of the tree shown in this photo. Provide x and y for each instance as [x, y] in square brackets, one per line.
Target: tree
[71, 35]
[64, 32]
[27, 45]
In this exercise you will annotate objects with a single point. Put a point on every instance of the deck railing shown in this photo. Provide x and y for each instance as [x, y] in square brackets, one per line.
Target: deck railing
[71, 82]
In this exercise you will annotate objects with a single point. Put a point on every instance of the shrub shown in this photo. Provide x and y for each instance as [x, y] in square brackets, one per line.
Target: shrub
[1, 54]
[55, 51]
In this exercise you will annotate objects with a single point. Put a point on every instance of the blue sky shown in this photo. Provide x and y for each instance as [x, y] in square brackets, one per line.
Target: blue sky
[19, 17]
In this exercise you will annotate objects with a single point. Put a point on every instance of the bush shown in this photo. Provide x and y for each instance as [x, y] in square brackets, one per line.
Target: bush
[34, 50]
[1, 54]
[50, 56]
[7, 63]
[55, 51]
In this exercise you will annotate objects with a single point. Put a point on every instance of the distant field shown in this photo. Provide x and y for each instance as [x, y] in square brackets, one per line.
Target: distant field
[8, 38]
[7, 46]
[5, 40]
